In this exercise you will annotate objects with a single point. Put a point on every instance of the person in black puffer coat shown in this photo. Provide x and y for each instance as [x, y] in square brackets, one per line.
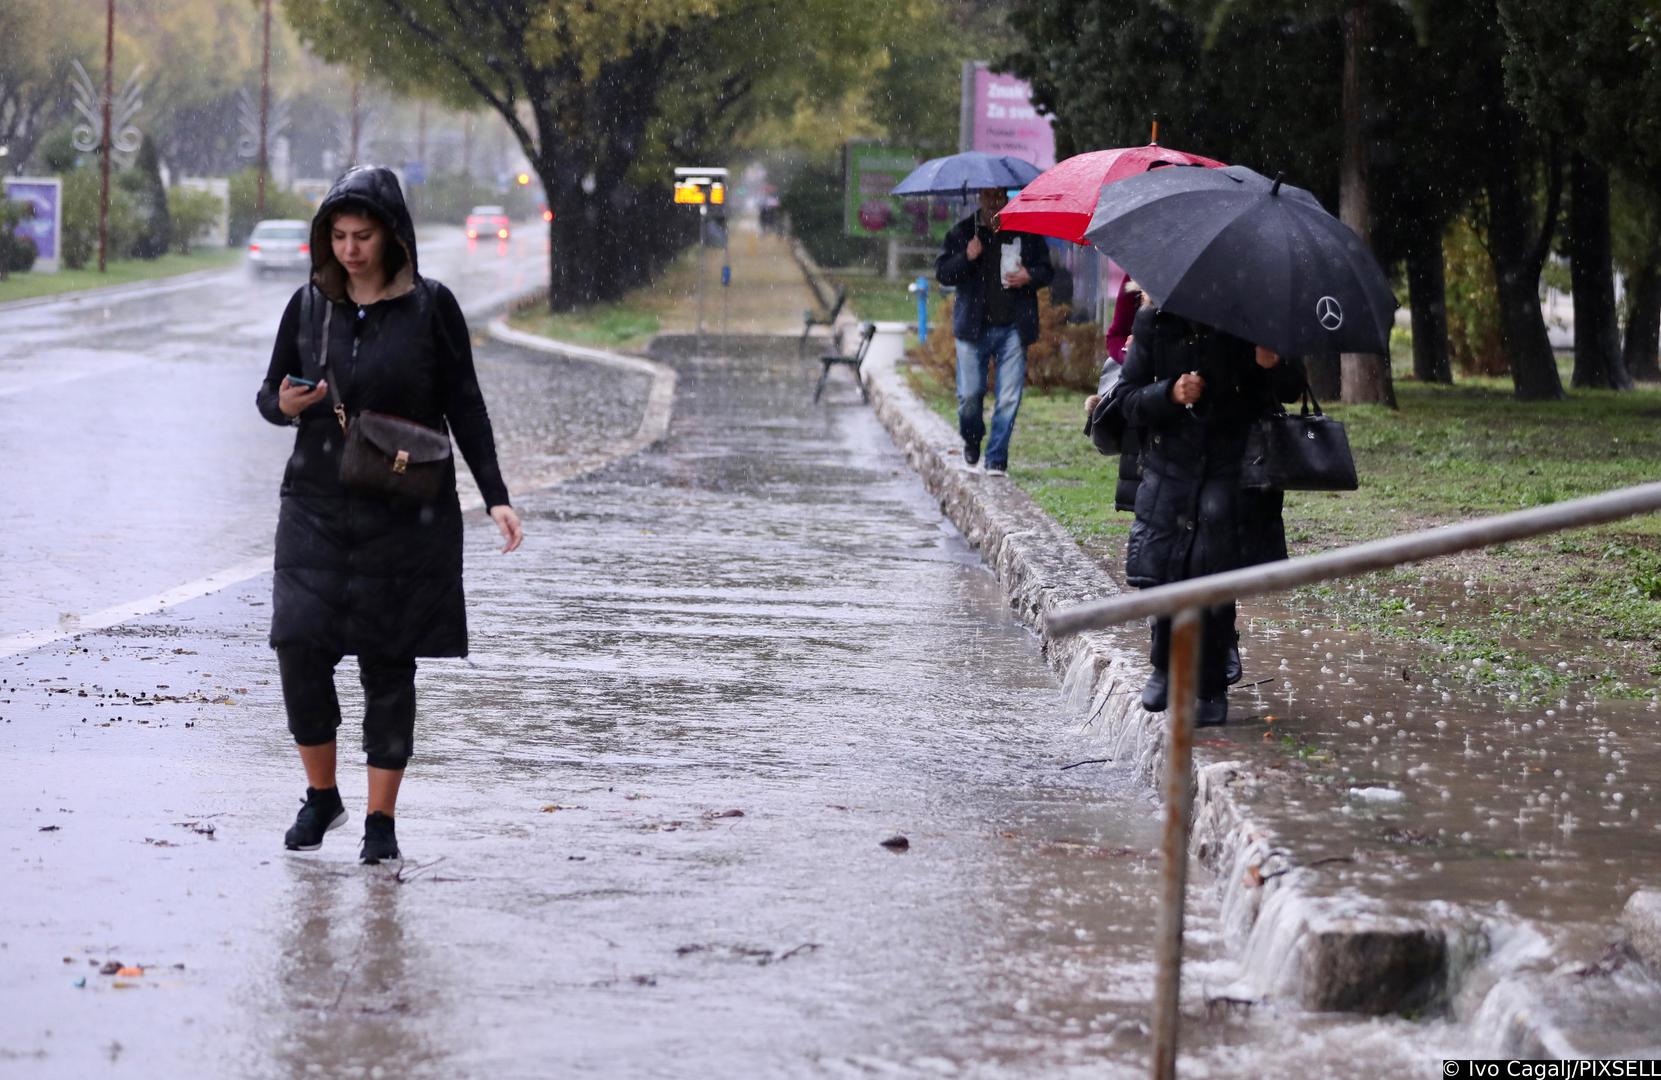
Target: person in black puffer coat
[358, 575]
[1193, 391]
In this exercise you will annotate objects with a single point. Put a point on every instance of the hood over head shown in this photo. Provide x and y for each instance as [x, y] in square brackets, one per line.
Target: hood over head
[371, 189]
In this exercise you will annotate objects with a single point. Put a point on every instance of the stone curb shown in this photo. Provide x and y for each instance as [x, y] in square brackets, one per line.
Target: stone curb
[654, 420]
[1327, 955]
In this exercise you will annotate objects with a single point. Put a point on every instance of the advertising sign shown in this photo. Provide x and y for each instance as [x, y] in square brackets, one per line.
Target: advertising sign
[871, 171]
[998, 117]
[45, 228]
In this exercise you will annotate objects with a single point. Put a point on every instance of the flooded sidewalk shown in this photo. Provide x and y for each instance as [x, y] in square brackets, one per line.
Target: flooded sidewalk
[644, 829]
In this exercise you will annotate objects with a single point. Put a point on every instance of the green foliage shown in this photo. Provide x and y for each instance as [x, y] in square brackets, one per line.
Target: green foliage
[17, 253]
[154, 235]
[812, 195]
[244, 203]
[603, 98]
[1472, 303]
[80, 219]
[193, 214]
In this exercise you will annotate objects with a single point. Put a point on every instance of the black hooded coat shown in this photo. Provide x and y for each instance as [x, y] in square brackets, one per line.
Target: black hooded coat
[1192, 515]
[357, 575]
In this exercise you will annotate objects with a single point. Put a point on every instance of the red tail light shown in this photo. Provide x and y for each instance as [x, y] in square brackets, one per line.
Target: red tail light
[305, 249]
[547, 215]
[254, 249]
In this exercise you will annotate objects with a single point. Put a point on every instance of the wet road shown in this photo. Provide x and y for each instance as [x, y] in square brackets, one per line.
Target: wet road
[643, 825]
[135, 462]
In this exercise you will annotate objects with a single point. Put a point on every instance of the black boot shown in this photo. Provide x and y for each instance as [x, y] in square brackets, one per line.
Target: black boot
[1213, 711]
[1232, 672]
[379, 839]
[1154, 691]
[321, 811]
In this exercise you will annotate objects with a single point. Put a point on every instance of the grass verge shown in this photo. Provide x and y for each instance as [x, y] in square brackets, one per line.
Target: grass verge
[30, 285]
[1588, 600]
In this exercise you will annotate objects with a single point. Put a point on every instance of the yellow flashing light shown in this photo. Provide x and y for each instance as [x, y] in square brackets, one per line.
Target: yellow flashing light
[524, 179]
[717, 193]
[688, 193]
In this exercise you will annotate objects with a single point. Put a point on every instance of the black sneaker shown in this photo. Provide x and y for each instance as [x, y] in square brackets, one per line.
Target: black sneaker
[1154, 691]
[1213, 711]
[971, 453]
[321, 811]
[379, 841]
[997, 468]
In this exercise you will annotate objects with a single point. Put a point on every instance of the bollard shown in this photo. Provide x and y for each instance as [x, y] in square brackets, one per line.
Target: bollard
[1173, 848]
[920, 287]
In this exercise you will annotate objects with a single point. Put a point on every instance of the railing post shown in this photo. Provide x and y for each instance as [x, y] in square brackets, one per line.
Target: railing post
[1173, 849]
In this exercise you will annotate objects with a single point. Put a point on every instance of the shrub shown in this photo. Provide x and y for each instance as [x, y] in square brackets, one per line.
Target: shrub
[17, 253]
[1066, 355]
[193, 213]
[80, 219]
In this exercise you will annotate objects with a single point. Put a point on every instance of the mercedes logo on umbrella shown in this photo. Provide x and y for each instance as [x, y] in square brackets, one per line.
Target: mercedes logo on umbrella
[1330, 312]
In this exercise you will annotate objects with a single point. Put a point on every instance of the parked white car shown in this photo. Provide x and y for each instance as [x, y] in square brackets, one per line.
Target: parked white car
[279, 244]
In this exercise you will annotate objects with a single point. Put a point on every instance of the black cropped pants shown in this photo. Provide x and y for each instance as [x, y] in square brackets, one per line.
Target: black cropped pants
[1217, 635]
[314, 711]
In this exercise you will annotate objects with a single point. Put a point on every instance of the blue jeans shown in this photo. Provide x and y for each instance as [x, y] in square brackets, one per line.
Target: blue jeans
[973, 357]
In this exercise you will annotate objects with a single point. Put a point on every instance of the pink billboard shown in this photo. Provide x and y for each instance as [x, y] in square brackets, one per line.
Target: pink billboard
[999, 118]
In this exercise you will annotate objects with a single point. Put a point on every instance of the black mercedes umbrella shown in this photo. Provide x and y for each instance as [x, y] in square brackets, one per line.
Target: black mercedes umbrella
[1248, 255]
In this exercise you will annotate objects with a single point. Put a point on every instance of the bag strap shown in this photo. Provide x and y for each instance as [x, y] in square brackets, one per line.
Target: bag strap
[1309, 399]
[323, 359]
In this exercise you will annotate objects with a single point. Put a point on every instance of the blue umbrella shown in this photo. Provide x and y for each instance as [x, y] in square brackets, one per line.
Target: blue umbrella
[959, 174]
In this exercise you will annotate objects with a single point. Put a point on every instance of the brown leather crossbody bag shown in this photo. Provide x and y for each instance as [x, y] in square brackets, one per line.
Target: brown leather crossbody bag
[385, 456]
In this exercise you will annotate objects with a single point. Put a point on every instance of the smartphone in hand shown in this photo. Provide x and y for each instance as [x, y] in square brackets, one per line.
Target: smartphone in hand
[309, 384]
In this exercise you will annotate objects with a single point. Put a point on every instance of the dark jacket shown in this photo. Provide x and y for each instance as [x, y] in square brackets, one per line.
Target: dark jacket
[955, 268]
[1192, 516]
[355, 574]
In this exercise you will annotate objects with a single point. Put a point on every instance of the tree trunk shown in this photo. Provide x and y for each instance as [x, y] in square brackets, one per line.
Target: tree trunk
[1597, 355]
[1325, 373]
[1427, 290]
[1366, 376]
[1517, 254]
[1642, 340]
[1641, 351]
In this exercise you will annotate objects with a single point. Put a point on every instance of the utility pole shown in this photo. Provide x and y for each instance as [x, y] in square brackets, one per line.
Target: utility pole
[104, 142]
[357, 86]
[265, 112]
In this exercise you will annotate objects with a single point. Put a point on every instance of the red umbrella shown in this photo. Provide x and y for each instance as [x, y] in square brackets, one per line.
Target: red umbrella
[1062, 200]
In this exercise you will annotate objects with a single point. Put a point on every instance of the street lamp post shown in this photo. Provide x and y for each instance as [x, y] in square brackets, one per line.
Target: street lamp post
[104, 143]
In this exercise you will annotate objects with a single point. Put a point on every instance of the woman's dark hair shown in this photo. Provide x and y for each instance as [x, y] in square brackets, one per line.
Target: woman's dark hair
[393, 255]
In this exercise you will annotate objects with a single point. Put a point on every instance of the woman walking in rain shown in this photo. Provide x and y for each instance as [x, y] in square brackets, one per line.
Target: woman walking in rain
[1193, 391]
[368, 561]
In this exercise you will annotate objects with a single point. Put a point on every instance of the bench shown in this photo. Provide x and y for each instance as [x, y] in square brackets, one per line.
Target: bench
[810, 319]
[866, 333]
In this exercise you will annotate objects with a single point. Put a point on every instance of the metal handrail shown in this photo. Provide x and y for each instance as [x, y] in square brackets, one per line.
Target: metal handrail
[1357, 559]
[1185, 599]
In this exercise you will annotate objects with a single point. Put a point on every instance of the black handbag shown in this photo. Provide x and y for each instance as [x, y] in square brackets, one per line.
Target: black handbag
[1303, 451]
[1105, 425]
[386, 456]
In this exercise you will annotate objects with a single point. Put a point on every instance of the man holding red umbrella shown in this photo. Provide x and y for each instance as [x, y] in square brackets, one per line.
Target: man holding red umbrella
[997, 275]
